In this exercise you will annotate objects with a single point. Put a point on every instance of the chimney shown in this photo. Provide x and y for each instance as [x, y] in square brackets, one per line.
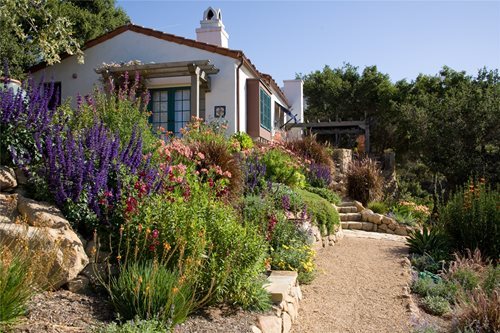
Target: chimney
[212, 30]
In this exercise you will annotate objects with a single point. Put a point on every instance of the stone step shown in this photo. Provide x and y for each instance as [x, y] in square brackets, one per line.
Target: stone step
[356, 225]
[347, 209]
[347, 204]
[350, 217]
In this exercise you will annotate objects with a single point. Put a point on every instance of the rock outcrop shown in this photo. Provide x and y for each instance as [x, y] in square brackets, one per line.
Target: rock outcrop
[41, 228]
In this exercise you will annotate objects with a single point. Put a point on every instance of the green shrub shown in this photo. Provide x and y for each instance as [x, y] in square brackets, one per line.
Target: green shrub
[465, 277]
[135, 326]
[206, 230]
[364, 181]
[472, 219]
[122, 113]
[290, 251]
[436, 305]
[256, 211]
[243, 140]
[426, 286]
[321, 211]
[285, 198]
[378, 207]
[325, 193]
[149, 290]
[491, 279]
[282, 168]
[429, 241]
[424, 262]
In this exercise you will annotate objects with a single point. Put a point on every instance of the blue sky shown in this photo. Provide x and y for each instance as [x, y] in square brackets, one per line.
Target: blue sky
[403, 38]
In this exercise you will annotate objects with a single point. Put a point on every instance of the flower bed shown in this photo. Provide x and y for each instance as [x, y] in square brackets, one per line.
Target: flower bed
[185, 222]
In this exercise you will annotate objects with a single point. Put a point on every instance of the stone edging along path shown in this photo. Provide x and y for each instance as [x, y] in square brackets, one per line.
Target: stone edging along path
[285, 291]
[286, 294]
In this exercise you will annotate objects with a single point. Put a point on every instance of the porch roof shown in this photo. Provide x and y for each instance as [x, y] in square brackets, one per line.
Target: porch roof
[200, 68]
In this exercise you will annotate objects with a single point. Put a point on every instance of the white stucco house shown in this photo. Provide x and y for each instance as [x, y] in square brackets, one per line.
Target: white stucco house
[186, 77]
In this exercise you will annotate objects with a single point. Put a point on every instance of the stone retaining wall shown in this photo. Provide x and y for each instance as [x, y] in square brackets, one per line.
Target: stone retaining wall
[371, 221]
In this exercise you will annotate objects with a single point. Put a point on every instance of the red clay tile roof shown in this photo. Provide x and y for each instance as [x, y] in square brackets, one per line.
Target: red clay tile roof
[236, 54]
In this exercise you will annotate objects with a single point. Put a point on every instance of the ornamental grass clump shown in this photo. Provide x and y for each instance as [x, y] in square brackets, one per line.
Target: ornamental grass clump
[310, 149]
[149, 290]
[26, 267]
[364, 181]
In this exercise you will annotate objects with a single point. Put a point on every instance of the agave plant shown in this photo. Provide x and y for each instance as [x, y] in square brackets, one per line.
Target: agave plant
[428, 241]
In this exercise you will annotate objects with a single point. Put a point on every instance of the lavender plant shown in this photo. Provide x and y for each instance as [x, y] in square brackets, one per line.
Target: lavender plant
[84, 170]
[86, 174]
[254, 174]
[319, 175]
[25, 118]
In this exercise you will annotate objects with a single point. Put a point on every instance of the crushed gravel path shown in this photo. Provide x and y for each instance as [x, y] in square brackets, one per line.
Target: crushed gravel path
[358, 288]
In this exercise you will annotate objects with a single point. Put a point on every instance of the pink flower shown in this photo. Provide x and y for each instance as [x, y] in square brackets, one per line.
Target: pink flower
[155, 233]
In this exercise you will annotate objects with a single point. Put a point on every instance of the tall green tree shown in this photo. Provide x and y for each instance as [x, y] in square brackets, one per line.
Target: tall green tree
[345, 93]
[449, 121]
[32, 31]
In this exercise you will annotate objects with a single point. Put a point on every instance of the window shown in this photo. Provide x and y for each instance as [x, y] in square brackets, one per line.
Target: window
[170, 108]
[265, 110]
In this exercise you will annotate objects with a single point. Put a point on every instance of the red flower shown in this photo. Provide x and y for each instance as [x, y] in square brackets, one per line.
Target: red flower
[131, 204]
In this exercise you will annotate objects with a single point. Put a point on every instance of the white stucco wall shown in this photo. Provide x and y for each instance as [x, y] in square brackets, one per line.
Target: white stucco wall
[130, 45]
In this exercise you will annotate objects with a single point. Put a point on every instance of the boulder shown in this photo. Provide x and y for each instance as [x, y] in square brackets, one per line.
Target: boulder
[356, 225]
[376, 218]
[79, 285]
[66, 257]
[367, 226]
[382, 228]
[292, 311]
[287, 323]
[387, 220]
[401, 230]
[392, 226]
[366, 214]
[41, 214]
[255, 329]
[8, 207]
[359, 206]
[269, 324]
[7, 178]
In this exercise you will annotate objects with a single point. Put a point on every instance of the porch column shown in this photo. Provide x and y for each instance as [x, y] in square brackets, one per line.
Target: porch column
[195, 91]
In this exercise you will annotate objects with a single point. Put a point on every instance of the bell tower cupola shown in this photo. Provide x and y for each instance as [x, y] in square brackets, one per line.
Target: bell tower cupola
[212, 30]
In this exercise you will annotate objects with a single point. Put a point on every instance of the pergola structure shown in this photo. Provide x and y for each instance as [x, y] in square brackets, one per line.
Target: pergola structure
[338, 128]
[198, 70]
